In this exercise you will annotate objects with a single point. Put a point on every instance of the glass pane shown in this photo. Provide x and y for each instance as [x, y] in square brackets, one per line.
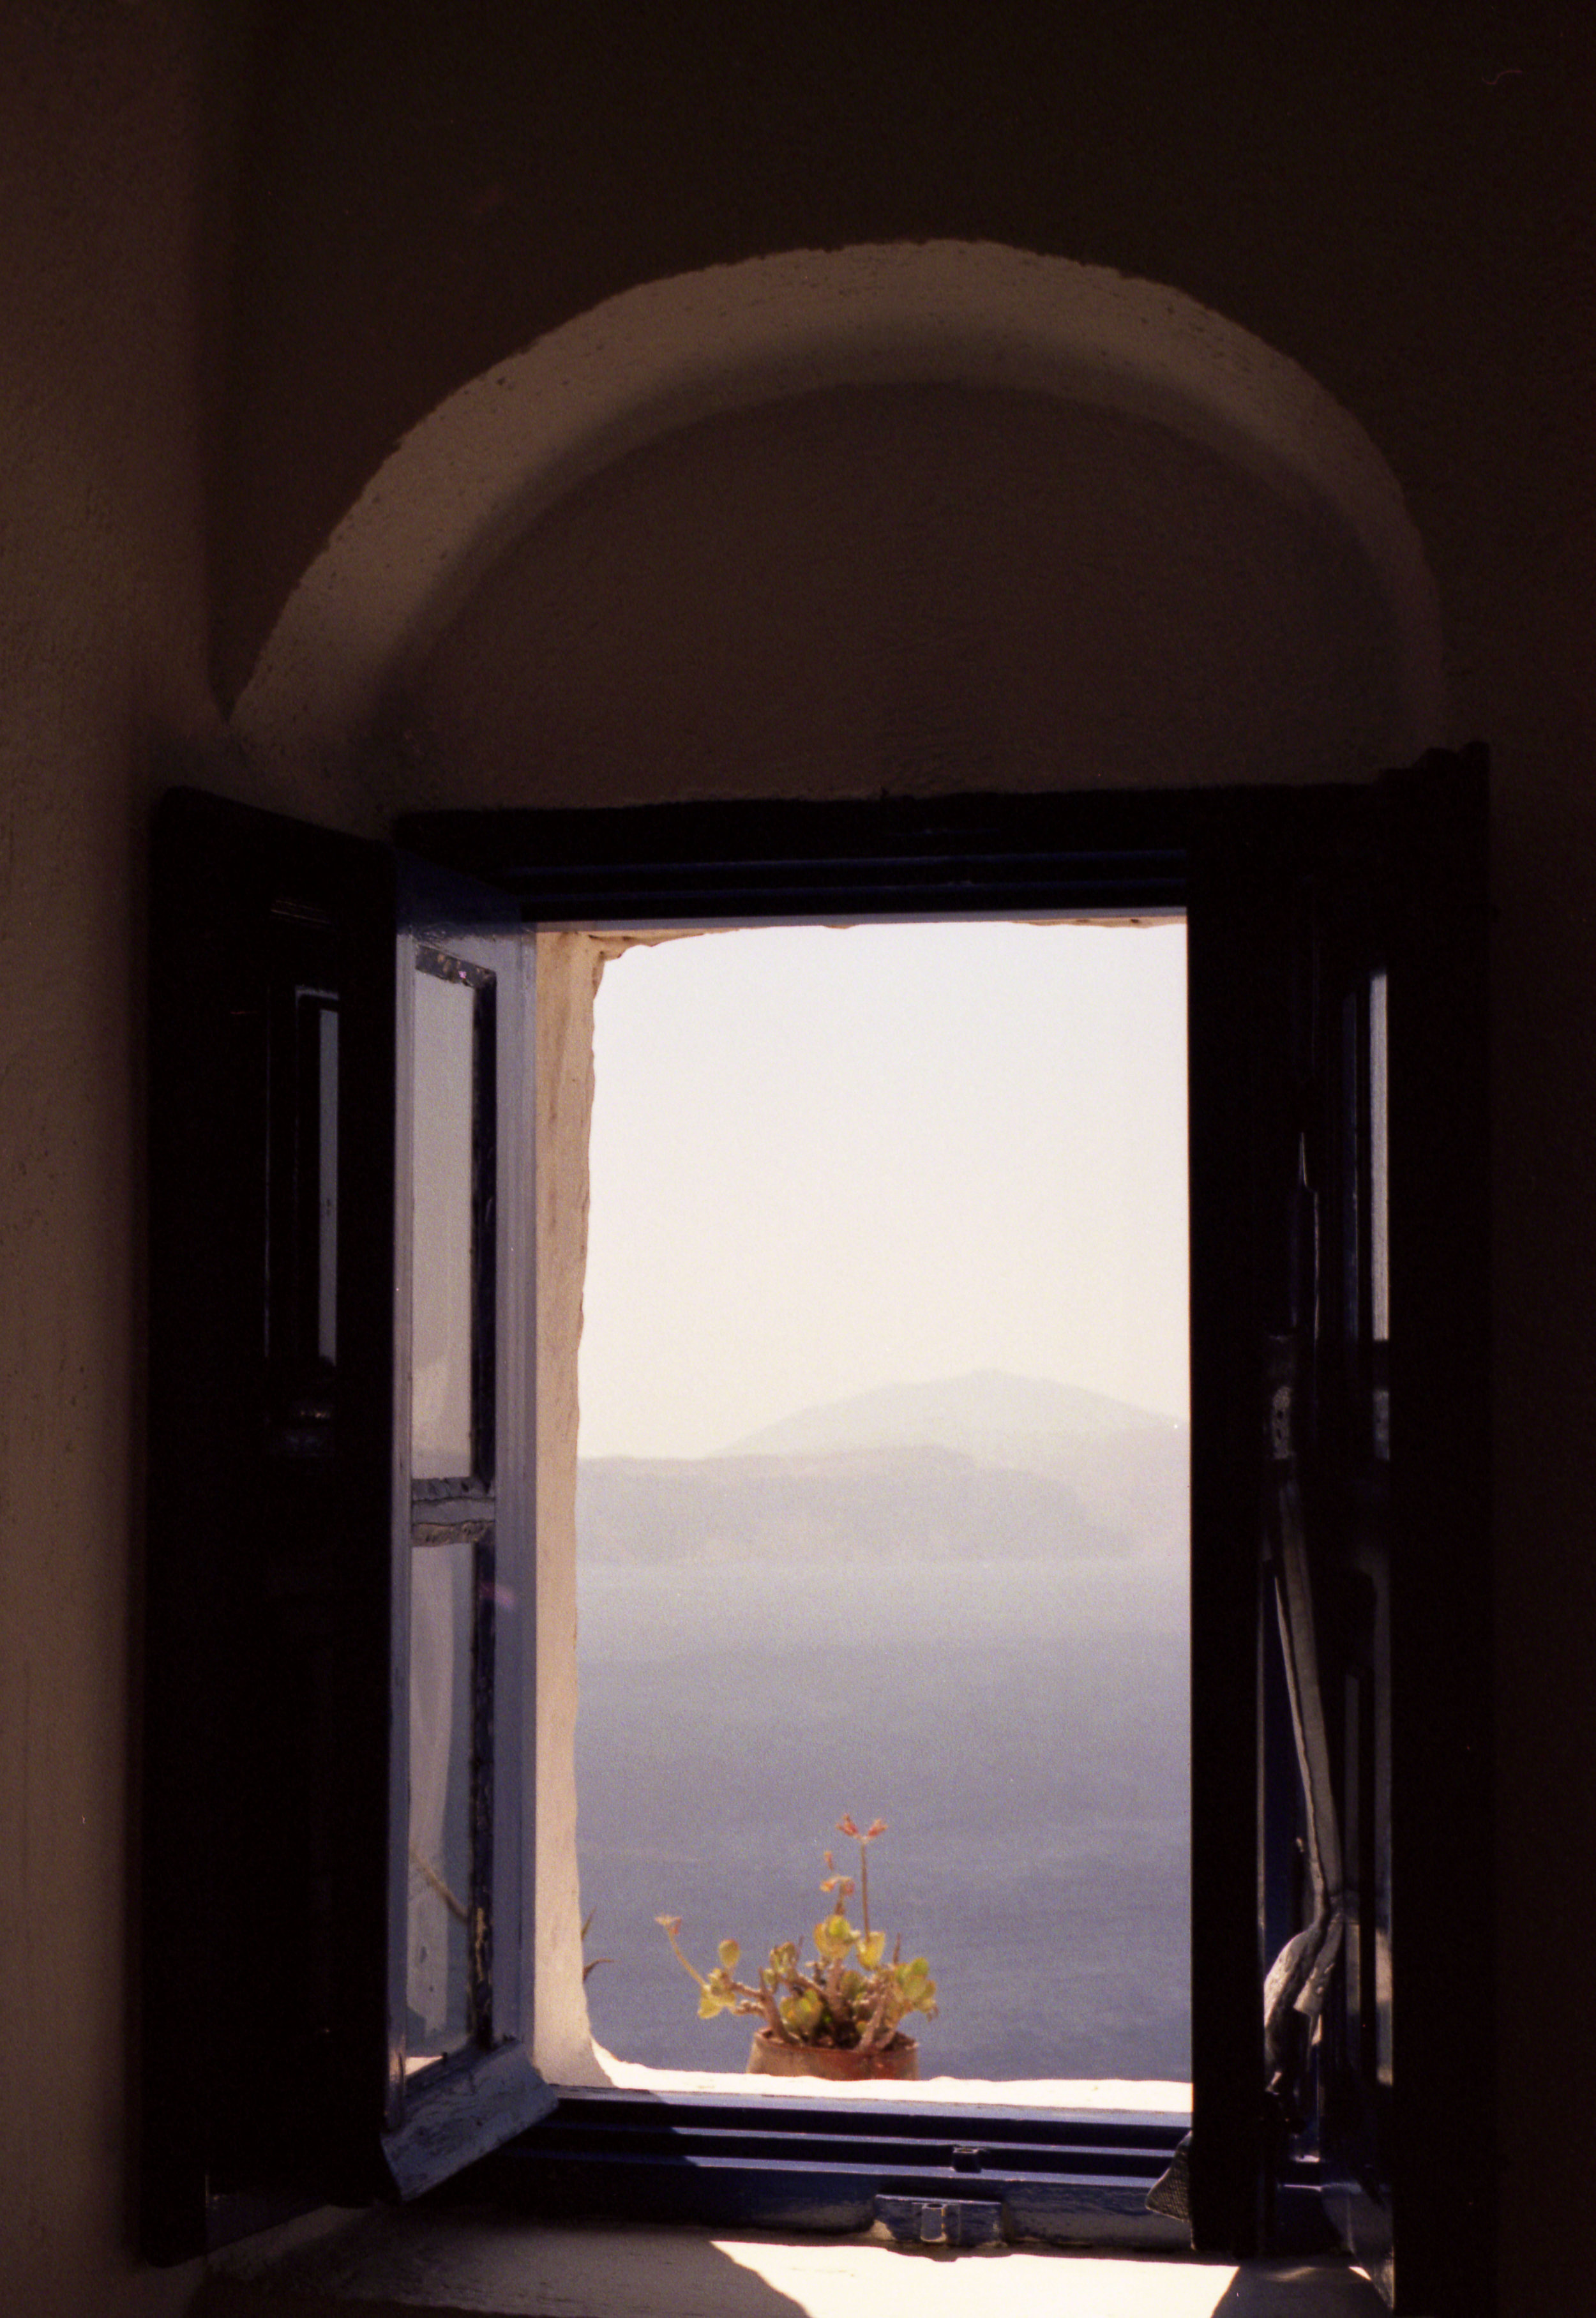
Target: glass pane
[440, 1317]
[326, 1184]
[440, 1880]
[1379, 1133]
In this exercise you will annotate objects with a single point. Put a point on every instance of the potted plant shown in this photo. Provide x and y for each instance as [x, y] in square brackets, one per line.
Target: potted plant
[839, 2014]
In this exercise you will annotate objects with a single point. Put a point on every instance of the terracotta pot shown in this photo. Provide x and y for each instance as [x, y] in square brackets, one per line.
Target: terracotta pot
[769, 2057]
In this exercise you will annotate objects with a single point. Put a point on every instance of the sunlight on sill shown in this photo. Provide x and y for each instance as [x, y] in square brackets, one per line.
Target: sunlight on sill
[503, 2266]
[1154, 2096]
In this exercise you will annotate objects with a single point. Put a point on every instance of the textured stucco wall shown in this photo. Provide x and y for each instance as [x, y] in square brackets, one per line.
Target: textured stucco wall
[569, 967]
[1357, 187]
[915, 589]
[898, 515]
[102, 687]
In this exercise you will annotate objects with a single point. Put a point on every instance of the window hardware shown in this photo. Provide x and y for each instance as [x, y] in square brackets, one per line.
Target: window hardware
[957, 2222]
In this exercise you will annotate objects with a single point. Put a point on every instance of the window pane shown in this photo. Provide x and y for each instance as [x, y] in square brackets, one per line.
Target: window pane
[326, 1184]
[442, 1286]
[440, 1879]
[1379, 1140]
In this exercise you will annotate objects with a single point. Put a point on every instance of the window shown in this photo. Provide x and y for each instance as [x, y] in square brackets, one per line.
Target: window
[883, 1487]
[1334, 978]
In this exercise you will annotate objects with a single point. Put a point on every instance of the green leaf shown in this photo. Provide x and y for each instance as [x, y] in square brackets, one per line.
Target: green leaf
[802, 2015]
[728, 1952]
[834, 1937]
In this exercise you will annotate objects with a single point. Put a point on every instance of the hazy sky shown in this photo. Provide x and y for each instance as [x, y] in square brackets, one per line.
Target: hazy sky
[825, 1160]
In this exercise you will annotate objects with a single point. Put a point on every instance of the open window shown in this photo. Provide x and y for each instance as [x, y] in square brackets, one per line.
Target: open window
[332, 1523]
[883, 1493]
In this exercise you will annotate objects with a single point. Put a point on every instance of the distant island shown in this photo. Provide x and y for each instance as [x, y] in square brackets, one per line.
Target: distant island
[988, 1466]
[990, 1412]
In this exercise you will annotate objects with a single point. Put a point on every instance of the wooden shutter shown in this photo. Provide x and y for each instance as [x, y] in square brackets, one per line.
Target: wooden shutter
[276, 1670]
[1339, 1302]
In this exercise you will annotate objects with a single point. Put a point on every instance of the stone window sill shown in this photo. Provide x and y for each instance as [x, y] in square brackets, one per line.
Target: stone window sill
[1156, 2096]
[497, 2266]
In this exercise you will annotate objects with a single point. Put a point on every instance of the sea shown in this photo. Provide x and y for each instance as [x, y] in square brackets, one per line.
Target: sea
[1022, 1726]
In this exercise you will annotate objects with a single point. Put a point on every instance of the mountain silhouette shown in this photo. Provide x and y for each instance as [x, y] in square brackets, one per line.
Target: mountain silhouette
[979, 1467]
[989, 1413]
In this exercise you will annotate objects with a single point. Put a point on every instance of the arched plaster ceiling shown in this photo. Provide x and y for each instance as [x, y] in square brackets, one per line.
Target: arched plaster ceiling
[907, 587]
[912, 515]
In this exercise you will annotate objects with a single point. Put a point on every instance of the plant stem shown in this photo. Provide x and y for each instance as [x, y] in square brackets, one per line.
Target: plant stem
[867, 2041]
[690, 1969]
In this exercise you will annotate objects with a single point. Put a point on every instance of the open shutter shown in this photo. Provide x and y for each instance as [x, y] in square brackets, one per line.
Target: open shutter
[459, 2020]
[1265, 1890]
[1322, 1443]
[1340, 1524]
[1432, 2052]
[278, 1667]
[1375, 1706]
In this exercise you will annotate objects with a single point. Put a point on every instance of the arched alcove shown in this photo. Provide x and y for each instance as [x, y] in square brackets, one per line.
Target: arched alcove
[907, 518]
[911, 515]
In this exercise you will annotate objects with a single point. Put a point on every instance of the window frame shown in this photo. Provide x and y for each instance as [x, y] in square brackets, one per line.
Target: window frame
[449, 928]
[1409, 850]
[1272, 881]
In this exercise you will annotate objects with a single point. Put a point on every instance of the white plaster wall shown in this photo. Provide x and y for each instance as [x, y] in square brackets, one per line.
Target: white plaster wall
[569, 967]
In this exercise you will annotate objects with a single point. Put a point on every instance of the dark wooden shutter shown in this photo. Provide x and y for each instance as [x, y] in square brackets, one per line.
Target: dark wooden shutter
[477, 1506]
[1340, 1299]
[274, 1719]
[1386, 1342]
[1439, 2140]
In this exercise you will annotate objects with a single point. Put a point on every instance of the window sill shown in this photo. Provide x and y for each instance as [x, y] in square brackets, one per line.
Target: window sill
[498, 2266]
[1124, 2096]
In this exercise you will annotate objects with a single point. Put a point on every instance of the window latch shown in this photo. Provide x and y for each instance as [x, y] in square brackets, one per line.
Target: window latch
[957, 2223]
